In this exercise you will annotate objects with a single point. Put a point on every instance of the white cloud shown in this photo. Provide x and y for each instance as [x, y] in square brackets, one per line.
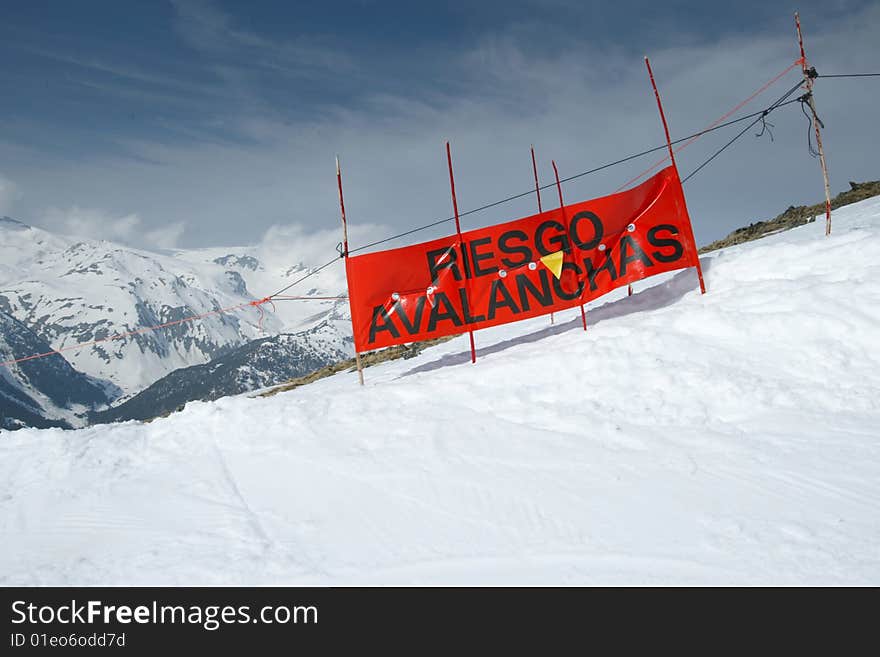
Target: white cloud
[96, 224]
[206, 27]
[166, 237]
[9, 194]
[313, 247]
[285, 247]
[581, 105]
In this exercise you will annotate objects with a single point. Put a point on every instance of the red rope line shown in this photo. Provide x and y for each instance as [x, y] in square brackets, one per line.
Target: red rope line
[145, 329]
[720, 119]
[305, 298]
[259, 306]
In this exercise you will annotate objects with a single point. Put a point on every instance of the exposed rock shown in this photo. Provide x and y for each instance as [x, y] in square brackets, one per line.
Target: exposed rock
[795, 216]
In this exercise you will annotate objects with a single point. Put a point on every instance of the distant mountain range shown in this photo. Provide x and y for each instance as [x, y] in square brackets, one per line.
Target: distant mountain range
[71, 292]
[58, 292]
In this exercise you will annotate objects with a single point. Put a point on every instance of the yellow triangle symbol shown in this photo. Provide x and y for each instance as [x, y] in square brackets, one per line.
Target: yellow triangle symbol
[553, 262]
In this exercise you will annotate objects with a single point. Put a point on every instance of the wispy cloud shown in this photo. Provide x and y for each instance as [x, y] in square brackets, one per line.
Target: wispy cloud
[92, 223]
[582, 105]
[127, 72]
[9, 195]
[279, 242]
[205, 27]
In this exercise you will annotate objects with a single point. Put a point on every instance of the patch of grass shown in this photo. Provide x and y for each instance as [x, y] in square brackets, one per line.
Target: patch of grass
[368, 359]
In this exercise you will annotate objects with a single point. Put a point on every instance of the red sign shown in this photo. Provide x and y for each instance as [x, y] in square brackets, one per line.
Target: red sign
[504, 273]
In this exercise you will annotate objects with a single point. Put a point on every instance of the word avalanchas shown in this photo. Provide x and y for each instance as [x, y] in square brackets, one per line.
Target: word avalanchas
[519, 284]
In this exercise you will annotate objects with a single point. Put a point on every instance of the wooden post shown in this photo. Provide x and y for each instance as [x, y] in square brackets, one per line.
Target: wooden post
[357, 356]
[562, 207]
[808, 84]
[538, 194]
[675, 166]
[462, 246]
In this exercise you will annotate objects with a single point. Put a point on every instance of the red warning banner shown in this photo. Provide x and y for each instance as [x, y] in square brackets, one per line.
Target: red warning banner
[520, 269]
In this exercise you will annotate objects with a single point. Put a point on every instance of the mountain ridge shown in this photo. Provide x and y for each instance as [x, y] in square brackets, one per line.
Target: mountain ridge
[77, 295]
[43, 392]
[257, 364]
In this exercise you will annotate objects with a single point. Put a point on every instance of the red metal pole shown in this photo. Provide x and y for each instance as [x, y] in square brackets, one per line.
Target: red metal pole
[562, 207]
[357, 356]
[675, 166]
[797, 22]
[537, 187]
[808, 83]
[538, 194]
[342, 209]
[461, 245]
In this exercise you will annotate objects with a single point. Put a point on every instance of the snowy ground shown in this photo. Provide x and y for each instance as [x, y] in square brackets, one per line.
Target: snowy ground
[730, 438]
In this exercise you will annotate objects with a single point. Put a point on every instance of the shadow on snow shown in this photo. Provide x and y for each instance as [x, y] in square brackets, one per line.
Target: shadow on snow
[653, 298]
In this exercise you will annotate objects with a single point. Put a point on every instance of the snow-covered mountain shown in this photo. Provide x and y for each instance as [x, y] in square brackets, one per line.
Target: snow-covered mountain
[723, 438]
[257, 364]
[72, 292]
[43, 392]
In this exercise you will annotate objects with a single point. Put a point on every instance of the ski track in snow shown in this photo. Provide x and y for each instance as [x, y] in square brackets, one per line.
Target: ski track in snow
[725, 439]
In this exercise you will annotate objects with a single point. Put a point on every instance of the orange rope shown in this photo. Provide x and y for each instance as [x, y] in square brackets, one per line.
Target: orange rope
[146, 329]
[119, 336]
[720, 119]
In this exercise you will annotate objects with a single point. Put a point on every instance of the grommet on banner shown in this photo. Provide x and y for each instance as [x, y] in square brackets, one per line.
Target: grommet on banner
[395, 296]
[430, 289]
[602, 247]
[502, 273]
[533, 266]
[630, 228]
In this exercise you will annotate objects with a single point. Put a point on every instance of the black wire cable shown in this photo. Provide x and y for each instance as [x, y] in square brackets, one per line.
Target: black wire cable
[761, 114]
[577, 175]
[300, 280]
[813, 152]
[779, 103]
[740, 134]
[851, 75]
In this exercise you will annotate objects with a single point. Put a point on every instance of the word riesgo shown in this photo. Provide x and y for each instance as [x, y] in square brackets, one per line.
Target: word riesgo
[535, 265]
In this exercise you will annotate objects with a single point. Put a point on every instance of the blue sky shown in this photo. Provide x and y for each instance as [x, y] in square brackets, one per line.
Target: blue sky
[198, 122]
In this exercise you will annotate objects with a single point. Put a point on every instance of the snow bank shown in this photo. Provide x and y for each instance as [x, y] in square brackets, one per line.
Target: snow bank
[726, 438]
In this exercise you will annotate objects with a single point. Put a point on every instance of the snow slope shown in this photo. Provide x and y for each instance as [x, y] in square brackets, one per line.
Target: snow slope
[726, 438]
